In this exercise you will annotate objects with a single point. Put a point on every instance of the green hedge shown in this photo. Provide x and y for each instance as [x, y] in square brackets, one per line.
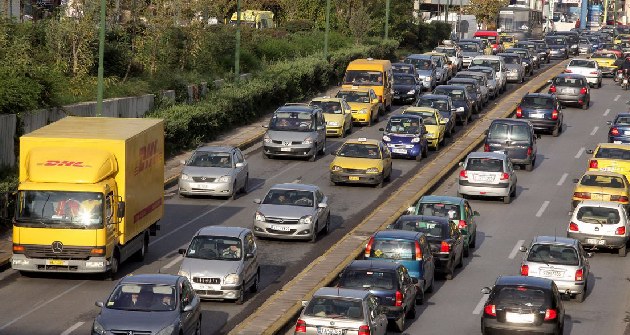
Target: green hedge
[235, 105]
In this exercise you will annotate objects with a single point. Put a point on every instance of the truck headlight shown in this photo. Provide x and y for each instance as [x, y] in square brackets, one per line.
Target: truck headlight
[372, 170]
[259, 217]
[167, 331]
[363, 111]
[386, 138]
[336, 168]
[333, 124]
[97, 328]
[307, 140]
[232, 279]
[224, 179]
[185, 177]
[306, 219]
[415, 140]
[412, 92]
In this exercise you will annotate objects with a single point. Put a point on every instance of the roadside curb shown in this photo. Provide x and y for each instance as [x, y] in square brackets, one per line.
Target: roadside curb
[360, 232]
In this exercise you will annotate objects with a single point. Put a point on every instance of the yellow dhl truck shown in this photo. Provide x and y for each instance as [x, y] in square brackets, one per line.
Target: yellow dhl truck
[259, 19]
[91, 191]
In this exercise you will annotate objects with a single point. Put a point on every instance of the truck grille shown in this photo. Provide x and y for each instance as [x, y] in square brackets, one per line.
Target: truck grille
[68, 252]
[200, 280]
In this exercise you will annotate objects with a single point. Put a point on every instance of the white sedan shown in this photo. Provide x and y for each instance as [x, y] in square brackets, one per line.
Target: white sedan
[588, 68]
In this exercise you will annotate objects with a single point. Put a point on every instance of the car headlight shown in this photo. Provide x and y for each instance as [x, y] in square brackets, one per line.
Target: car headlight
[363, 111]
[460, 109]
[372, 170]
[307, 140]
[427, 79]
[232, 279]
[524, 63]
[333, 124]
[336, 168]
[563, 50]
[386, 138]
[415, 140]
[412, 92]
[183, 273]
[430, 134]
[267, 139]
[306, 219]
[97, 328]
[574, 46]
[259, 217]
[535, 58]
[167, 331]
[224, 179]
[186, 177]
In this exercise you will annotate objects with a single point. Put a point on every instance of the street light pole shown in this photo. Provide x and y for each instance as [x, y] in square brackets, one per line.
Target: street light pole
[237, 51]
[386, 19]
[101, 55]
[327, 29]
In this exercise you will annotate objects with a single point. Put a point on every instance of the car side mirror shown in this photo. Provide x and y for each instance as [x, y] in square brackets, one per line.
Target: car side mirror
[549, 81]
[609, 123]
[414, 280]
[522, 248]
[182, 162]
[188, 308]
[304, 303]
[321, 127]
[121, 209]
[99, 304]
[590, 254]
[485, 132]
[443, 121]
[322, 205]
[589, 151]
[249, 255]
[475, 213]
[381, 129]
[375, 101]
[461, 164]
[453, 110]
[485, 290]
[410, 210]
[575, 181]
[265, 126]
[238, 165]
[182, 251]
[334, 153]
[257, 201]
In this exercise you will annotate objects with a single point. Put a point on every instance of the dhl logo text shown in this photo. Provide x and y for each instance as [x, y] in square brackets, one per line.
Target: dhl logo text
[63, 163]
[148, 156]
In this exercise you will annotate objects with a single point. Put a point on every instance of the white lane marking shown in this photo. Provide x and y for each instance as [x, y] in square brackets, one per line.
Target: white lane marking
[176, 259]
[479, 306]
[542, 208]
[582, 149]
[617, 97]
[73, 328]
[606, 112]
[594, 130]
[212, 209]
[562, 179]
[516, 249]
[6, 325]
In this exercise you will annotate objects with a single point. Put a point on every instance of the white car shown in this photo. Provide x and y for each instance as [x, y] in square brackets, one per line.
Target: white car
[487, 174]
[498, 64]
[588, 68]
[600, 224]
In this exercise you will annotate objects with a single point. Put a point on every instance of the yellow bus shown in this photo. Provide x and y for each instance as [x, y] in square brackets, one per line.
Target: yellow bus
[372, 73]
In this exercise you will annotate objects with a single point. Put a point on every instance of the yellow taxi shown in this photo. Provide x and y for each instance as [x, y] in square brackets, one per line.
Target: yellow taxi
[610, 157]
[606, 61]
[507, 40]
[436, 130]
[603, 186]
[363, 102]
[361, 161]
[337, 114]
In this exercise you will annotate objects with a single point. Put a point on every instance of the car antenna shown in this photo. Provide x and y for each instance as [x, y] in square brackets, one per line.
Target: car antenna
[555, 235]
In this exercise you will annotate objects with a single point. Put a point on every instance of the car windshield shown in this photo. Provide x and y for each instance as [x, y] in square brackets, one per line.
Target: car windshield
[403, 125]
[420, 64]
[511, 60]
[484, 164]
[569, 81]
[602, 181]
[215, 248]
[404, 80]
[506, 39]
[441, 105]
[334, 308]
[428, 118]
[289, 198]
[455, 94]
[622, 121]
[553, 254]
[399, 68]
[142, 297]
[450, 211]
[393, 249]
[362, 77]
[60, 209]
[430, 228]
[554, 40]
[536, 102]
[582, 63]
[495, 64]
[364, 279]
[500, 131]
[598, 215]
[613, 153]
[469, 47]
[520, 296]
[448, 51]
[292, 121]
[470, 87]
[329, 107]
[604, 56]
[211, 159]
[355, 96]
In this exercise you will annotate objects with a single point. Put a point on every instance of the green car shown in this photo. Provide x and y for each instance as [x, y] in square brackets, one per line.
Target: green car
[458, 209]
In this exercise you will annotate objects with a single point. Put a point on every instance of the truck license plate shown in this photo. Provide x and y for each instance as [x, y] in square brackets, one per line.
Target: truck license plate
[56, 262]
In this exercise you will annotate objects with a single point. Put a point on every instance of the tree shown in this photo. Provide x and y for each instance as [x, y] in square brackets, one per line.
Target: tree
[486, 11]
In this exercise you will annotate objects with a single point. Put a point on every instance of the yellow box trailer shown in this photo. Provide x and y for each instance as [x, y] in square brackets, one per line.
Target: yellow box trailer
[91, 191]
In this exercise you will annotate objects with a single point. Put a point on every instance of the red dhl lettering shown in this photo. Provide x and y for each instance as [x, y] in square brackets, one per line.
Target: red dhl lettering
[63, 163]
[148, 157]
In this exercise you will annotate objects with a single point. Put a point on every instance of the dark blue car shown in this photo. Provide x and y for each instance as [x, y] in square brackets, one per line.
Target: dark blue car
[404, 135]
[619, 131]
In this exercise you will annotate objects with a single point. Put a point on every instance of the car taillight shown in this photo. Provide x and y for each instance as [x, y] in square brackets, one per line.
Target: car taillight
[584, 90]
[529, 151]
[418, 251]
[592, 164]
[462, 224]
[524, 270]
[550, 314]
[552, 89]
[614, 131]
[620, 231]
[573, 226]
[568, 71]
[579, 275]
[486, 147]
[399, 298]
[582, 195]
[368, 247]
[364, 330]
[490, 310]
[300, 326]
[380, 98]
[505, 176]
[519, 112]
[620, 198]
[445, 247]
[554, 115]
[463, 174]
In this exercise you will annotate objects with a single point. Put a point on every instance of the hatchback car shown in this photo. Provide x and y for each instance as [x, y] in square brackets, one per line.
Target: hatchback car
[523, 304]
[434, 124]
[364, 104]
[498, 65]
[601, 185]
[474, 93]
[216, 171]
[606, 61]
[340, 311]
[454, 55]
[588, 68]
[295, 130]
[445, 240]
[390, 282]
[600, 225]
[492, 81]
[487, 174]
[407, 88]
[514, 67]
[470, 50]
[558, 47]
[292, 211]
[462, 102]
[571, 89]
[444, 105]
[337, 114]
[514, 137]
[443, 69]
[560, 259]
[222, 263]
[619, 131]
[405, 136]
[361, 161]
[543, 111]
[527, 58]
[150, 304]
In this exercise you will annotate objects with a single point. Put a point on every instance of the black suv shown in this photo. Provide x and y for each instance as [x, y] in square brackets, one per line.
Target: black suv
[514, 137]
[523, 304]
[390, 282]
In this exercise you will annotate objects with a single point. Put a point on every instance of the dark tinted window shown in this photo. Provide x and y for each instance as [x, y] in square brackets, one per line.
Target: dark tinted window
[364, 279]
[582, 63]
[428, 118]
[399, 68]
[484, 164]
[333, 307]
[455, 94]
[404, 80]
[511, 60]
[450, 211]
[553, 254]
[520, 296]
[569, 81]
[441, 105]
[393, 249]
[613, 153]
[495, 64]
[421, 64]
[428, 227]
[534, 101]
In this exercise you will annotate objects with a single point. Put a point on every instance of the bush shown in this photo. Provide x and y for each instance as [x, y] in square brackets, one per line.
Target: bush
[294, 26]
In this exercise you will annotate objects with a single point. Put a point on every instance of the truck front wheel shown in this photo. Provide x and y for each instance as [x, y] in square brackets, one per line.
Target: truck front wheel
[113, 266]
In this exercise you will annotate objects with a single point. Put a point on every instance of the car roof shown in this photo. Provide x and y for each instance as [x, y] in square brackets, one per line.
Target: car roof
[400, 116]
[419, 56]
[355, 89]
[603, 173]
[402, 64]
[295, 186]
[342, 293]
[211, 148]
[540, 95]
[530, 281]
[481, 67]
[439, 219]
[451, 87]
[222, 231]
[397, 234]
[469, 72]
[511, 121]
[555, 240]
[363, 141]
[481, 154]
[298, 108]
[421, 109]
[600, 203]
[488, 57]
[434, 96]
[404, 75]
[464, 80]
[623, 114]
[363, 264]
[614, 145]
[508, 54]
[586, 59]
[441, 199]
[570, 75]
[327, 99]
[151, 278]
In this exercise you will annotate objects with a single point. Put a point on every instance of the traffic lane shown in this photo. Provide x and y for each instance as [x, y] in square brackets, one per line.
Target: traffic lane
[503, 228]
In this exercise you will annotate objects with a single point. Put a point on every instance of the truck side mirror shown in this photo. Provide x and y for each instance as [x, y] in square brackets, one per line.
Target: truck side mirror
[121, 209]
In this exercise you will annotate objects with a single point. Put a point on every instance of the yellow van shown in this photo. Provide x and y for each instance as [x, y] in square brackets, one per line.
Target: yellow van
[259, 19]
[371, 73]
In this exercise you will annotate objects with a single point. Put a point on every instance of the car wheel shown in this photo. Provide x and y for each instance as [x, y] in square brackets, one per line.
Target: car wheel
[580, 296]
[437, 146]
[556, 131]
[400, 323]
[313, 157]
[234, 195]
[323, 150]
[449, 275]
[197, 327]
[419, 156]
[245, 185]
[465, 121]
[425, 151]
[507, 199]
[432, 286]
[332, 183]
[411, 313]
[586, 104]
[622, 251]
[529, 167]
[313, 238]
[266, 156]
[141, 254]
[114, 263]
[467, 251]
[473, 242]
[241, 295]
[256, 285]
[419, 297]
[461, 261]
[599, 84]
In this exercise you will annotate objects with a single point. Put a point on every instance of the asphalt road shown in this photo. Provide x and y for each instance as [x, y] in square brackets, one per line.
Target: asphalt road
[63, 304]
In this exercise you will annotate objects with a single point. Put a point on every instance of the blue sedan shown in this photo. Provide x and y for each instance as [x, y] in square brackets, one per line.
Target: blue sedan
[619, 131]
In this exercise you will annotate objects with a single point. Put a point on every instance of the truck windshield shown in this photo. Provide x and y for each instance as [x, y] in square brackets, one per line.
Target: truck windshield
[58, 208]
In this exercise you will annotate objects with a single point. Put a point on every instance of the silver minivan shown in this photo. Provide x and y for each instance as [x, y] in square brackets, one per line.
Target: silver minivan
[222, 263]
[600, 225]
[295, 130]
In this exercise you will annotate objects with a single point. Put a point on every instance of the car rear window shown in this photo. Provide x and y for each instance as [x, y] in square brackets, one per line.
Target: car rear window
[598, 215]
[582, 63]
[329, 107]
[602, 181]
[393, 249]
[553, 254]
[520, 296]
[433, 103]
[532, 101]
[450, 211]
[484, 164]
[613, 153]
[622, 120]
[399, 68]
[569, 81]
[500, 131]
[455, 94]
[404, 80]
[430, 228]
[511, 60]
[333, 307]
[495, 64]
[365, 279]
[428, 118]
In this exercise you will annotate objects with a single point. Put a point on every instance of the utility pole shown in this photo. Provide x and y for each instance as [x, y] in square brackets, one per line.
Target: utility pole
[386, 19]
[237, 52]
[615, 13]
[583, 14]
[101, 55]
[327, 29]
[605, 11]
[446, 11]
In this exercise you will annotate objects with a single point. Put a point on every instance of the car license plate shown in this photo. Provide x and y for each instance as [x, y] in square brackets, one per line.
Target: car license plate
[567, 90]
[285, 149]
[484, 178]
[596, 197]
[552, 273]
[203, 186]
[399, 151]
[537, 116]
[354, 178]
[595, 241]
[329, 331]
[519, 318]
[56, 262]
[206, 287]
[280, 228]
[618, 142]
